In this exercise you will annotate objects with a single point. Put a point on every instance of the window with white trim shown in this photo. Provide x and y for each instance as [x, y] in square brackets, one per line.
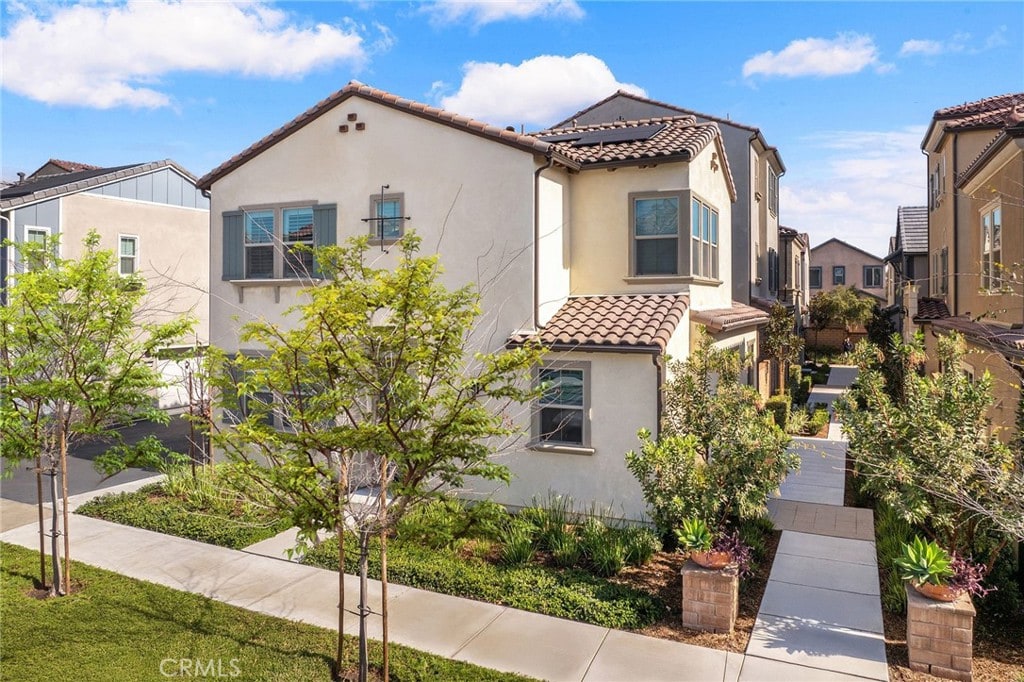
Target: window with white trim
[773, 191]
[36, 235]
[562, 414]
[297, 230]
[655, 235]
[128, 254]
[259, 244]
[992, 247]
[703, 240]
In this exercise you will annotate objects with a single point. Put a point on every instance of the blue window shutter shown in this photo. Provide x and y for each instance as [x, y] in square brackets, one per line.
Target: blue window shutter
[325, 229]
[233, 246]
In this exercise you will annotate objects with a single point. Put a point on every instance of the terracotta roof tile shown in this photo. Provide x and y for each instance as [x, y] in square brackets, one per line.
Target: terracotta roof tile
[355, 88]
[1000, 338]
[612, 321]
[988, 112]
[72, 166]
[725, 319]
[929, 309]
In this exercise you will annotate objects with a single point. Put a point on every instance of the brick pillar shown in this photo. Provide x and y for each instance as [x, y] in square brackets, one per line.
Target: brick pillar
[939, 635]
[711, 599]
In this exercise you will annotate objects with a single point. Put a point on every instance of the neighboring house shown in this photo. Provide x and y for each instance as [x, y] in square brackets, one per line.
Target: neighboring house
[907, 261]
[794, 272]
[976, 240]
[609, 243]
[756, 168]
[151, 215]
[836, 263]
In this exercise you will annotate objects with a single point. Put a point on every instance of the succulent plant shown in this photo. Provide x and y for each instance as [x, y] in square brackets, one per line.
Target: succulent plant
[694, 535]
[924, 562]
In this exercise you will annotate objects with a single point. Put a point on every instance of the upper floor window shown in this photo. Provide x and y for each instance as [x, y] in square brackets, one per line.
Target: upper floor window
[937, 183]
[838, 275]
[992, 248]
[944, 270]
[773, 191]
[274, 242]
[387, 222]
[773, 270]
[872, 276]
[40, 236]
[128, 255]
[704, 240]
[656, 236]
[562, 417]
[815, 275]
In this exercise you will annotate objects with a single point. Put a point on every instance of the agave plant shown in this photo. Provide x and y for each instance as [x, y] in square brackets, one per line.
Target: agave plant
[694, 535]
[924, 562]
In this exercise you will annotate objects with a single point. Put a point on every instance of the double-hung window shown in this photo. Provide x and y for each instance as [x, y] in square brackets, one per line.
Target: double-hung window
[128, 255]
[656, 235]
[773, 191]
[274, 242]
[991, 247]
[41, 237]
[815, 274]
[838, 275]
[387, 220]
[872, 276]
[562, 415]
[703, 240]
[297, 225]
[259, 244]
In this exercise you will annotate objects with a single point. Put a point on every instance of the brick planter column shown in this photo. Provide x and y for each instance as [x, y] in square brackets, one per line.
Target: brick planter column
[939, 635]
[711, 599]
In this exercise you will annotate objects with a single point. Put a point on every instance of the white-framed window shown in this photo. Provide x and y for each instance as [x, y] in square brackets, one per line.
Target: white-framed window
[872, 276]
[35, 235]
[127, 254]
[838, 275]
[562, 414]
[773, 191]
[703, 239]
[259, 244]
[815, 274]
[387, 214]
[992, 247]
[655, 223]
[297, 231]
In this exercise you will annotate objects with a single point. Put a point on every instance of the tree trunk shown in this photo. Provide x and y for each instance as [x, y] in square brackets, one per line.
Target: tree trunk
[384, 602]
[364, 607]
[56, 585]
[42, 522]
[340, 653]
[64, 509]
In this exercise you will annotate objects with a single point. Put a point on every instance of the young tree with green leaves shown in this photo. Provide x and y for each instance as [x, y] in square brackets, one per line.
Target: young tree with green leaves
[370, 400]
[719, 455]
[781, 343]
[932, 456]
[75, 363]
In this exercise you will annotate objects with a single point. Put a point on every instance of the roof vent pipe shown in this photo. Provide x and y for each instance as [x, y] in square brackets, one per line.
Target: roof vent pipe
[21, 177]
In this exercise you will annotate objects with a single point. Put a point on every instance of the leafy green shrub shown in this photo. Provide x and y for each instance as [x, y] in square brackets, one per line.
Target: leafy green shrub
[819, 418]
[443, 522]
[215, 520]
[565, 548]
[779, 406]
[608, 557]
[798, 422]
[571, 594]
[754, 533]
[641, 544]
[891, 533]
[517, 543]
[557, 513]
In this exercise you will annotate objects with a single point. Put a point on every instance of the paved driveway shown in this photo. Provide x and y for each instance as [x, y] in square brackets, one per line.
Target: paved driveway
[82, 477]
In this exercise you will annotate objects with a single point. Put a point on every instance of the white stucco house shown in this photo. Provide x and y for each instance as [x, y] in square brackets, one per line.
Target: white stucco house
[609, 242]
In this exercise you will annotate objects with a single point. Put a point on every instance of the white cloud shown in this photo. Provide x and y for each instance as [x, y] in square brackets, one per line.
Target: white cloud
[927, 48]
[107, 56]
[847, 53]
[481, 12]
[853, 184]
[537, 92]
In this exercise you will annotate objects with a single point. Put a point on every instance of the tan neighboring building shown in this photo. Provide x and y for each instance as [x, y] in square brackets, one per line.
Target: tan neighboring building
[976, 241]
[610, 242]
[150, 215]
[835, 263]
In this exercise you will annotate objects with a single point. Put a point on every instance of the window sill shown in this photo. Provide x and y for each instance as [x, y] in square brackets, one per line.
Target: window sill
[243, 284]
[671, 279]
[563, 449]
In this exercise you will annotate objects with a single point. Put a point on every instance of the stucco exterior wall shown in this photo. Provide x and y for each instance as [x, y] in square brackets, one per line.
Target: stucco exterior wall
[554, 254]
[601, 233]
[469, 198]
[173, 248]
[835, 253]
[601, 478]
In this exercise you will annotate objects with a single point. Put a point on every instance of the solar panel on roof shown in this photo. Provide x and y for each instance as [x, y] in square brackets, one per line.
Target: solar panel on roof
[560, 137]
[612, 135]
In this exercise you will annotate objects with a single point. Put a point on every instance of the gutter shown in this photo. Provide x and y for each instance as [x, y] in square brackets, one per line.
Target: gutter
[536, 236]
[956, 218]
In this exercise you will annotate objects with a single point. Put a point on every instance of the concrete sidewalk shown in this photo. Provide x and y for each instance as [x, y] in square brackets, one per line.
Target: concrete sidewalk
[492, 636]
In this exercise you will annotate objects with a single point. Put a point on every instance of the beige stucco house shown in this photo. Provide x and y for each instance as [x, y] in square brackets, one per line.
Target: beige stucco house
[976, 242]
[835, 263]
[610, 243]
[151, 215]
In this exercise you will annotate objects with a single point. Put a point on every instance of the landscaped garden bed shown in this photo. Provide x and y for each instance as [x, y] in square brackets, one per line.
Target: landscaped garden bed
[117, 628]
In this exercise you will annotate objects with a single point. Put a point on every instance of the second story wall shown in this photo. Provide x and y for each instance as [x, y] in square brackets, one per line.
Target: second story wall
[841, 264]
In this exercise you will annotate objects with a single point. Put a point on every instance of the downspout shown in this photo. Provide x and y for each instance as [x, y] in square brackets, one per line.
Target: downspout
[536, 237]
[4, 229]
[659, 370]
[956, 218]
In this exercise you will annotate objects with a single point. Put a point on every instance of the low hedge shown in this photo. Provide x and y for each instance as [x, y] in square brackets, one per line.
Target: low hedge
[228, 524]
[572, 594]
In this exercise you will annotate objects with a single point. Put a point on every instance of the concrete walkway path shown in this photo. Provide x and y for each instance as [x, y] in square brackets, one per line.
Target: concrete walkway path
[821, 615]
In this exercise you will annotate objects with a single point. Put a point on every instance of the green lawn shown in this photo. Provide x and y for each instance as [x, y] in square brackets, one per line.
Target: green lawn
[118, 628]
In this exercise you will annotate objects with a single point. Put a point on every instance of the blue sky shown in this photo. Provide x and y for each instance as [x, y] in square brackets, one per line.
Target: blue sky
[844, 90]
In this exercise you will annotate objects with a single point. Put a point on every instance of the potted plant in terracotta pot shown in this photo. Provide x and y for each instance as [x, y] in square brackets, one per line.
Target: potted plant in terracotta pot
[937, 574]
[713, 549]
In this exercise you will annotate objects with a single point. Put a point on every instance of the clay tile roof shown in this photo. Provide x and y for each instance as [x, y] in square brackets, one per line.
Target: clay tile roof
[725, 319]
[929, 309]
[354, 89]
[988, 112]
[648, 140]
[912, 226]
[72, 166]
[612, 322]
[994, 336]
